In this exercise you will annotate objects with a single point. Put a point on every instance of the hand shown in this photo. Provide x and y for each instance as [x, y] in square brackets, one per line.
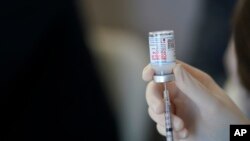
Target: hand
[201, 111]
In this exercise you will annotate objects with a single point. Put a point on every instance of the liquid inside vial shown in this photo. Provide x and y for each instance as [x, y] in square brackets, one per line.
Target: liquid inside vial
[162, 51]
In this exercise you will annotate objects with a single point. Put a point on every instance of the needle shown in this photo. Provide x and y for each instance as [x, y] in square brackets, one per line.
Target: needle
[168, 120]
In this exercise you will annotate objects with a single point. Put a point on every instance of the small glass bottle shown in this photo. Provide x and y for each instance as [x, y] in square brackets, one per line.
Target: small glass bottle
[162, 55]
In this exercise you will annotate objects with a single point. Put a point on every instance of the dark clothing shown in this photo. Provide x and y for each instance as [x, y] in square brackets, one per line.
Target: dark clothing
[212, 36]
[49, 88]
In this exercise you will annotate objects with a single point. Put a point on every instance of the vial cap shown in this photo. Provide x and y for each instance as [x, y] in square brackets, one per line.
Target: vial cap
[164, 78]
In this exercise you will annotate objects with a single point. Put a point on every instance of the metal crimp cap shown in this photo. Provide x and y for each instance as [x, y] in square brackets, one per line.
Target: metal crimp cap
[164, 78]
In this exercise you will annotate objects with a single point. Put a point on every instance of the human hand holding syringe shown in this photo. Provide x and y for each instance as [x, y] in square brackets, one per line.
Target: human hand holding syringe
[201, 109]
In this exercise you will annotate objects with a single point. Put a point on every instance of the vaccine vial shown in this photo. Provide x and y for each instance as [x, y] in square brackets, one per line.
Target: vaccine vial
[162, 55]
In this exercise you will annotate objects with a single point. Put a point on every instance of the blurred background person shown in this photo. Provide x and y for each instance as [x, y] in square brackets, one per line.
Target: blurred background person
[49, 87]
[212, 36]
[237, 58]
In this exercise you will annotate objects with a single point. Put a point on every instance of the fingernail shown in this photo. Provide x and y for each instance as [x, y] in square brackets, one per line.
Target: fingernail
[183, 134]
[146, 68]
[179, 73]
[147, 73]
[177, 70]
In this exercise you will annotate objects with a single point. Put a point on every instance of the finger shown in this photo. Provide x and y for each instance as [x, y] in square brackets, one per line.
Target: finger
[147, 73]
[191, 86]
[154, 97]
[182, 134]
[161, 130]
[178, 123]
[201, 76]
[205, 79]
[158, 118]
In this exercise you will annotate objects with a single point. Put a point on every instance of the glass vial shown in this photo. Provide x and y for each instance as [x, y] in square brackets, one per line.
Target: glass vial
[162, 54]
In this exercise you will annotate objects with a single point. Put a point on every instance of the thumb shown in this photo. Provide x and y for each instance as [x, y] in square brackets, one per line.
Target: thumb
[191, 87]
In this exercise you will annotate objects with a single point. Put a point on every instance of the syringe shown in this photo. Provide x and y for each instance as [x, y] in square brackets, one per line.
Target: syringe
[168, 120]
[162, 60]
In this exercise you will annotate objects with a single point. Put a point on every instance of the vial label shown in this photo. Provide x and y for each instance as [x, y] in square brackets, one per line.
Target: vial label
[162, 47]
